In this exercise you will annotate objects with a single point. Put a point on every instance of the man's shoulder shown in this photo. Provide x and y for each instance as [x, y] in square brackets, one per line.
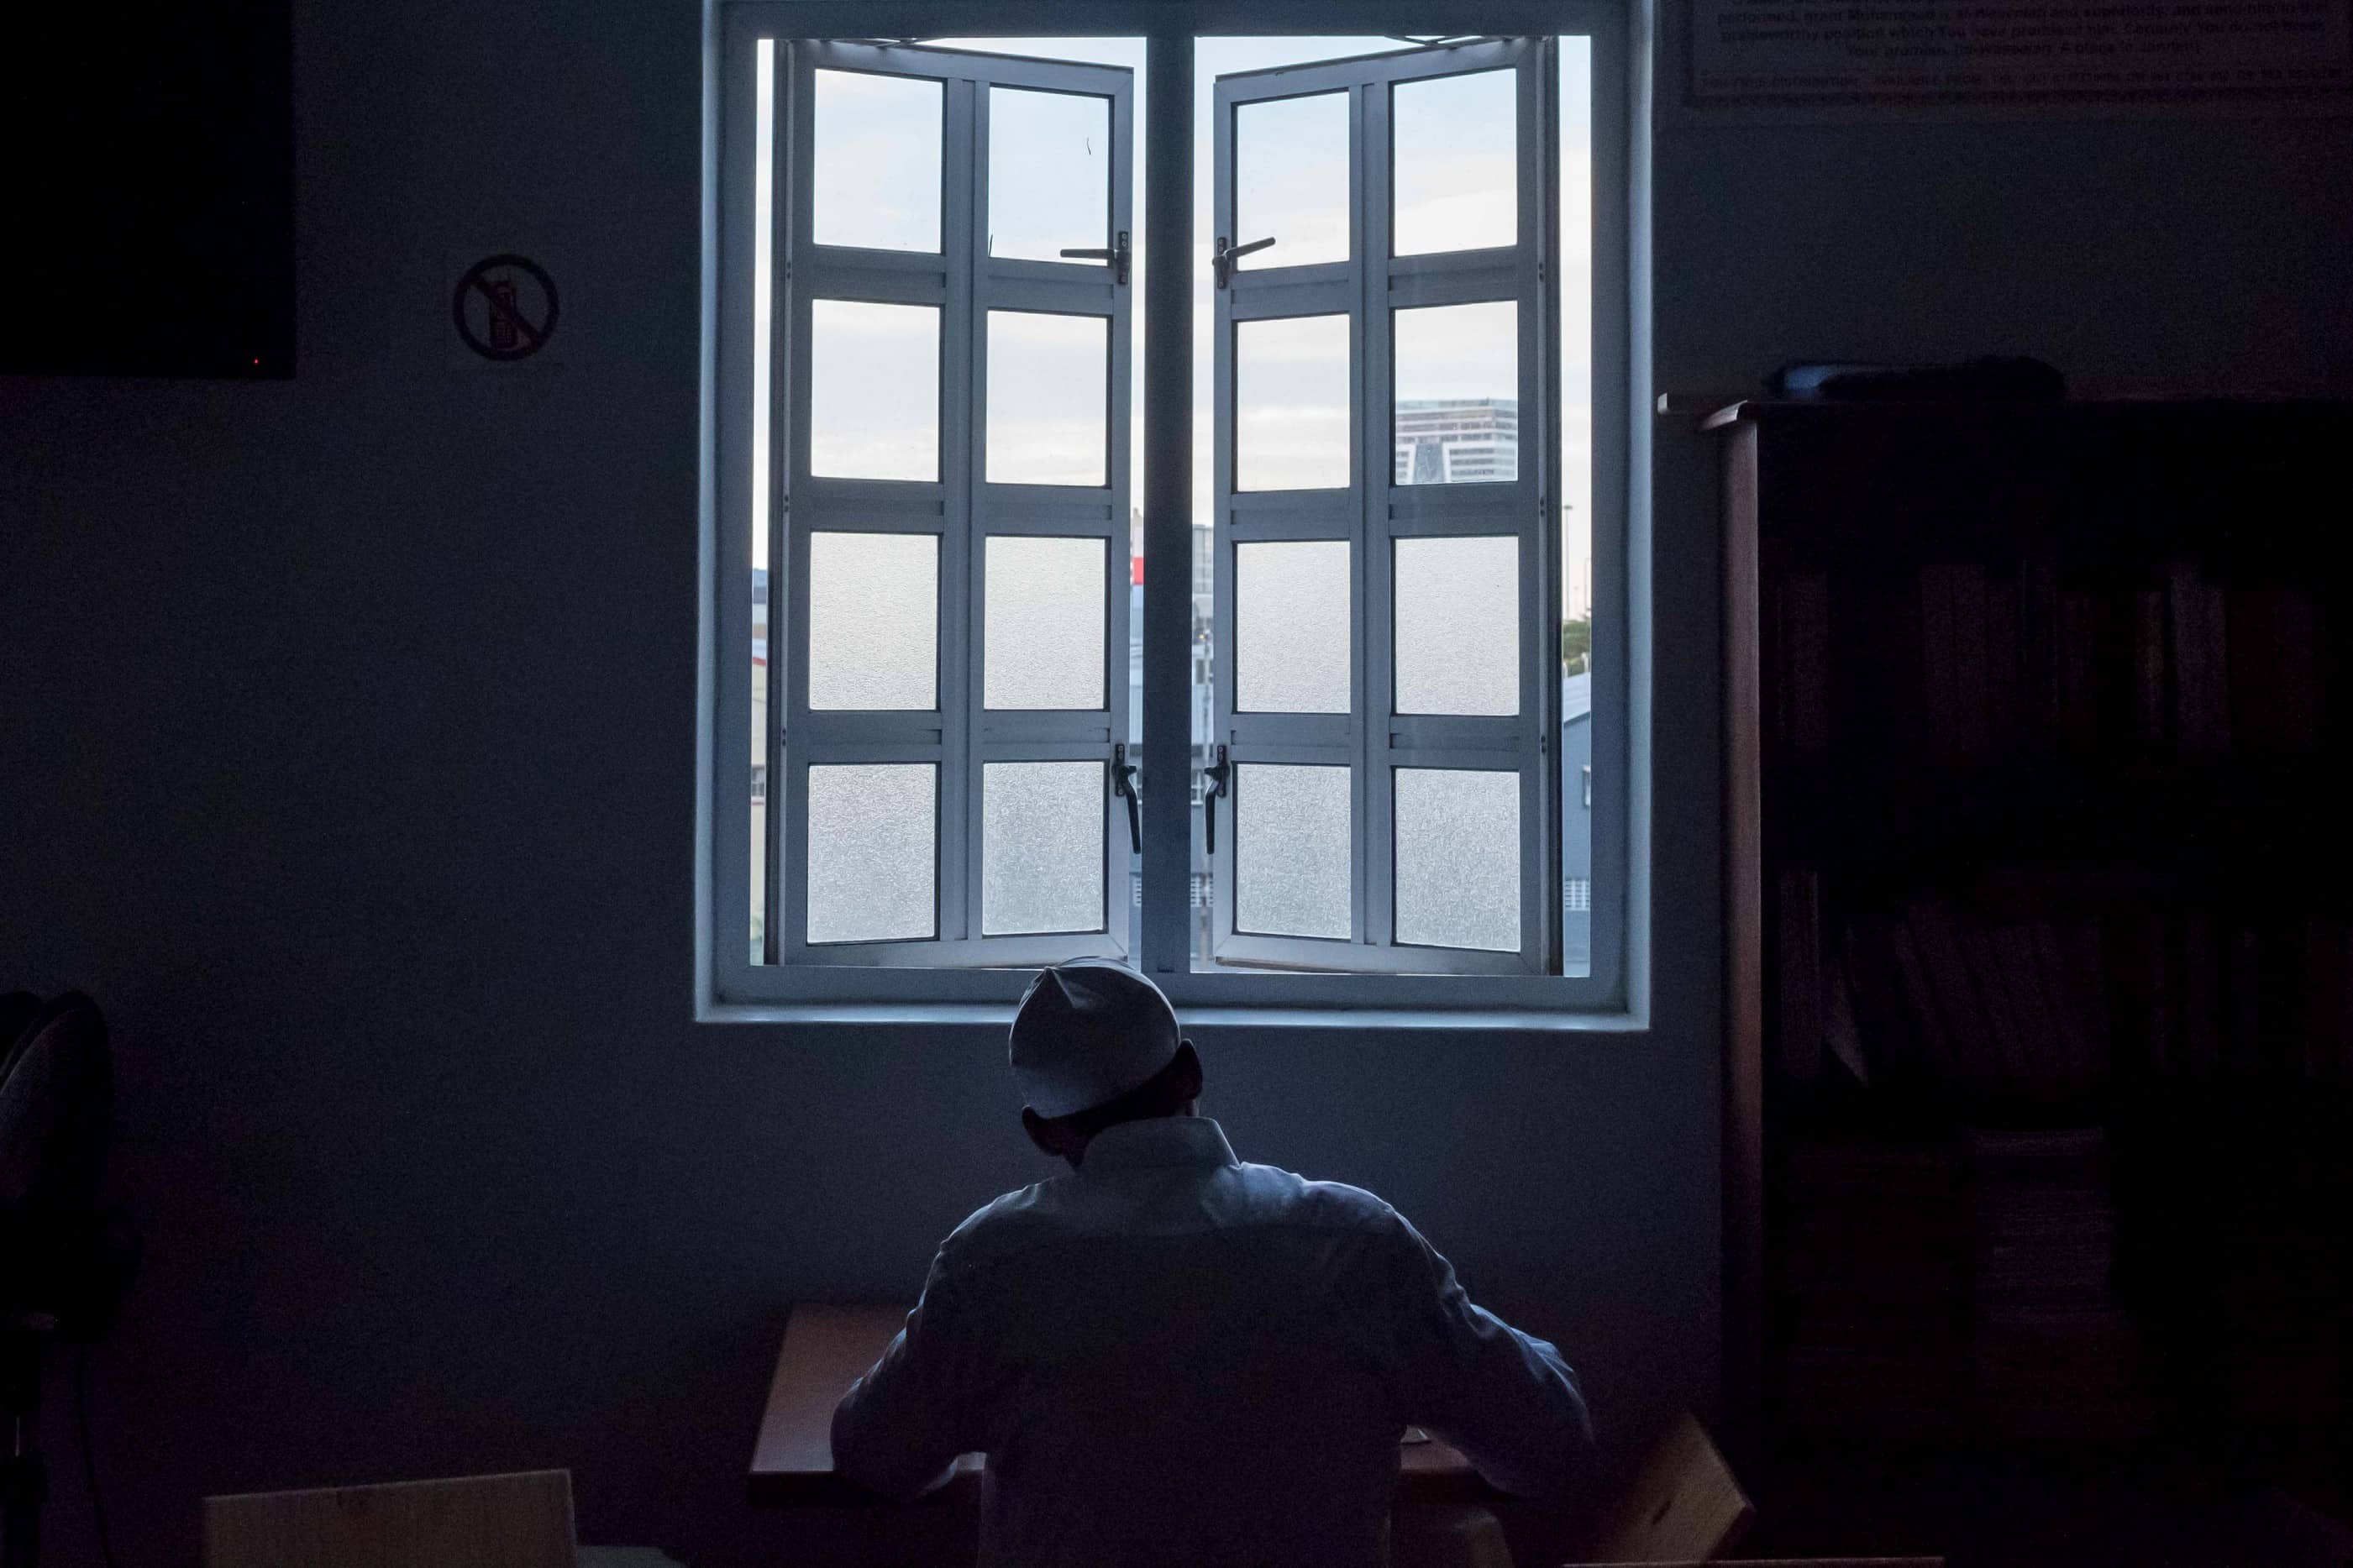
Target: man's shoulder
[1294, 1199]
[1010, 1224]
[1058, 1210]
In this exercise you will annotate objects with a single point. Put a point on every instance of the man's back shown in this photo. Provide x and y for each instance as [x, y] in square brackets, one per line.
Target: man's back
[1172, 1357]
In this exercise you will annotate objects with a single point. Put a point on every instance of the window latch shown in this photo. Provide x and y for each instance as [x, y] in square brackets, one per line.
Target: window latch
[1117, 255]
[1228, 253]
[1219, 775]
[1123, 784]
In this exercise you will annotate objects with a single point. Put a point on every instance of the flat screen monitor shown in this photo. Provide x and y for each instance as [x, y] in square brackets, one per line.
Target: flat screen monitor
[148, 152]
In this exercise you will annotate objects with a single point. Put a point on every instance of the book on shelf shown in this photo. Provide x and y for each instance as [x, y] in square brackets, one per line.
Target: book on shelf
[2022, 653]
[2051, 1351]
[1940, 993]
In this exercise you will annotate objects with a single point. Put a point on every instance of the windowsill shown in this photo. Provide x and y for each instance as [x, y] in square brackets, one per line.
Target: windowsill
[1000, 1015]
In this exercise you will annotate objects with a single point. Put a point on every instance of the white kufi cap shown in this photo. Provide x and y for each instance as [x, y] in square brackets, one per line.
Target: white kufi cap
[1088, 1031]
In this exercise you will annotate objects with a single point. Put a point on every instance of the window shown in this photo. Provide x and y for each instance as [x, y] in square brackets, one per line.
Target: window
[931, 443]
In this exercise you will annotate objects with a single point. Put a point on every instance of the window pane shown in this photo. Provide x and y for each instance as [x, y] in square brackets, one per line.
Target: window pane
[1045, 623]
[872, 833]
[1291, 404]
[1458, 394]
[1458, 629]
[1041, 846]
[1456, 181]
[1049, 173]
[1291, 179]
[764, 186]
[876, 167]
[1291, 628]
[1458, 858]
[873, 621]
[1049, 398]
[1291, 850]
[874, 407]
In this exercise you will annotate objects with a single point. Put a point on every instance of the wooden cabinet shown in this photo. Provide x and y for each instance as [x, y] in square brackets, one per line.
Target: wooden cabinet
[2041, 947]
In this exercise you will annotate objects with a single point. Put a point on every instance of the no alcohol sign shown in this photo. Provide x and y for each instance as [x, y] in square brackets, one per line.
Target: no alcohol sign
[504, 308]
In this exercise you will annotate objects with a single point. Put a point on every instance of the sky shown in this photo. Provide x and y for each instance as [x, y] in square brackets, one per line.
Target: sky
[878, 175]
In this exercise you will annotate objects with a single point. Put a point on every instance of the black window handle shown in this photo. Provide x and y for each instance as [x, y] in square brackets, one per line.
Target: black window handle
[1117, 255]
[1220, 775]
[1228, 253]
[1123, 784]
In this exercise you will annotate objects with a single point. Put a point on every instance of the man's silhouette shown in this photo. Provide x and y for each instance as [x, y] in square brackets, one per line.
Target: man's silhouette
[1172, 1357]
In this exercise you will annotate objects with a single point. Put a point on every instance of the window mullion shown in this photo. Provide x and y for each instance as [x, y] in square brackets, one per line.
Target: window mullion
[960, 557]
[1375, 639]
[1167, 462]
[1541, 851]
[1223, 563]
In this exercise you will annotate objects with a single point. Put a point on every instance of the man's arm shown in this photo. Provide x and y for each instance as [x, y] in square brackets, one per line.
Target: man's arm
[1506, 1399]
[902, 1425]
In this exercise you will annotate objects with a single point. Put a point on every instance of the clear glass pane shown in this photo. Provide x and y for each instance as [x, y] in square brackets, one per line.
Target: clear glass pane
[1041, 846]
[1045, 625]
[1291, 179]
[1458, 858]
[1049, 398]
[873, 621]
[873, 831]
[764, 186]
[1575, 248]
[1291, 404]
[875, 406]
[1457, 184]
[1457, 627]
[1458, 394]
[1049, 173]
[1291, 850]
[1291, 628]
[877, 166]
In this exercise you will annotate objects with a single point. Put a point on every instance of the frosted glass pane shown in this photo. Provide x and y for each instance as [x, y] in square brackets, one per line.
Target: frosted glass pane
[874, 410]
[1458, 626]
[873, 832]
[1049, 173]
[1041, 846]
[1458, 858]
[874, 620]
[1457, 185]
[1049, 398]
[1291, 628]
[1291, 850]
[877, 165]
[1046, 616]
[1291, 179]
[1458, 394]
[1291, 404]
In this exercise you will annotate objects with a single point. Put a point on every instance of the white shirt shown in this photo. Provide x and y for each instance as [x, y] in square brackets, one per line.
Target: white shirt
[1171, 1357]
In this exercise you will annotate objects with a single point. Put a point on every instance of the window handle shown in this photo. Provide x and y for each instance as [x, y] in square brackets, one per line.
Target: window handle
[1220, 775]
[1228, 253]
[1123, 784]
[1117, 255]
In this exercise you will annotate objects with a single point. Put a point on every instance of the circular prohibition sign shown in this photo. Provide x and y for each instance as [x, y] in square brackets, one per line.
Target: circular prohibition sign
[512, 331]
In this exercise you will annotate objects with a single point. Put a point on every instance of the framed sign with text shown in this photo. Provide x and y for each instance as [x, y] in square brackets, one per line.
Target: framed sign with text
[1762, 53]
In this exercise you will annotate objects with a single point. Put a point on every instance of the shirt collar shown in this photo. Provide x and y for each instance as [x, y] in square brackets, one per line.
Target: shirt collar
[1157, 1141]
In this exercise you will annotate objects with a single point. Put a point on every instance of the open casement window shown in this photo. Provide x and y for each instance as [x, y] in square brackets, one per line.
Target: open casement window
[1380, 796]
[952, 325]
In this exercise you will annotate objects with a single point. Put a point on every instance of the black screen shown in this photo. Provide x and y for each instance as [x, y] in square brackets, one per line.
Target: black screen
[150, 159]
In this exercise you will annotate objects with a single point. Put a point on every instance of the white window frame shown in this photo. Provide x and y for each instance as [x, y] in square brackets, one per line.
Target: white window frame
[1372, 514]
[728, 986]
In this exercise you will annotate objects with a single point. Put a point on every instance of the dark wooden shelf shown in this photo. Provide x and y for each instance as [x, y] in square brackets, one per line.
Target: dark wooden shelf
[2219, 1198]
